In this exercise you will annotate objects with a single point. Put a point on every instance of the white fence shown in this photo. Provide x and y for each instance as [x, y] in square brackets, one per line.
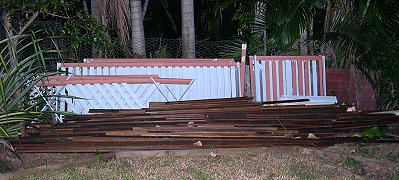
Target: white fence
[133, 83]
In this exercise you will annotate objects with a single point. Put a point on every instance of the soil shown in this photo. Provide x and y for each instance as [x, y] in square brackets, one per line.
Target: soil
[31, 160]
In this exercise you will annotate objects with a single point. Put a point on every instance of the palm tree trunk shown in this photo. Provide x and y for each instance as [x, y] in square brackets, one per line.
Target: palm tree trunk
[188, 28]
[303, 45]
[326, 50]
[95, 14]
[138, 40]
[327, 18]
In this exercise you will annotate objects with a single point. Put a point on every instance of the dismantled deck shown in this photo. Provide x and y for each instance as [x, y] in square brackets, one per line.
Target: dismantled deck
[217, 123]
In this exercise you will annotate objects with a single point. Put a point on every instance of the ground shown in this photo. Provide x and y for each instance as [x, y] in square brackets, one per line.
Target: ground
[345, 161]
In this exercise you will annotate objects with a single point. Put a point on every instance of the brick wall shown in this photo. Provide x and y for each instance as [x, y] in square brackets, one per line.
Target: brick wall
[351, 88]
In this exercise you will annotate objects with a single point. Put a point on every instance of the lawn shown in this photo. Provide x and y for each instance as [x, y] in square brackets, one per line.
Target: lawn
[350, 161]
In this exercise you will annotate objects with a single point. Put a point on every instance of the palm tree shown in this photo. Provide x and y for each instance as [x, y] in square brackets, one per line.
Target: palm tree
[138, 40]
[365, 32]
[362, 33]
[127, 17]
[188, 28]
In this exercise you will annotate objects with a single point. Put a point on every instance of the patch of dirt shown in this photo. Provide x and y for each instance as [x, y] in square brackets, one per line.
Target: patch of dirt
[31, 160]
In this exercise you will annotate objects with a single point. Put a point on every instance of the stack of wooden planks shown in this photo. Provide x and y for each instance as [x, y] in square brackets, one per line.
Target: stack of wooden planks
[216, 123]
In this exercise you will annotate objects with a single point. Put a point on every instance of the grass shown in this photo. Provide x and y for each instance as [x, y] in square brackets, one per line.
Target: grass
[4, 167]
[199, 175]
[97, 170]
[276, 164]
[365, 150]
[75, 155]
[302, 172]
[396, 176]
[394, 157]
[352, 163]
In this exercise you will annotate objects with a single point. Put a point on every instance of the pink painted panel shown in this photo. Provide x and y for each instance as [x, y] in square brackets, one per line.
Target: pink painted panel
[320, 78]
[109, 80]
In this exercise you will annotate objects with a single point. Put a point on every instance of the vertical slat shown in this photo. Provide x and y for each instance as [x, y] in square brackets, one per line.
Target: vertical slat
[310, 78]
[281, 80]
[294, 77]
[284, 79]
[242, 68]
[306, 78]
[204, 80]
[208, 83]
[233, 82]
[271, 85]
[90, 71]
[227, 85]
[252, 60]
[288, 77]
[275, 80]
[314, 78]
[324, 76]
[320, 75]
[257, 81]
[263, 77]
[222, 79]
[267, 81]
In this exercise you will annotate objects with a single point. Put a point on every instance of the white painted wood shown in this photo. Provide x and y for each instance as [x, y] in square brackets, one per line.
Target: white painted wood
[277, 78]
[263, 79]
[309, 77]
[314, 78]
[209, 82]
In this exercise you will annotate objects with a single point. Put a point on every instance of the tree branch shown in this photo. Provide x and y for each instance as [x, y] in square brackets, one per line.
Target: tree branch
[31, 19]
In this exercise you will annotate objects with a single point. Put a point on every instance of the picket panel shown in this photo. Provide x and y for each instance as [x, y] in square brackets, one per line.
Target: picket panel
[279, 77]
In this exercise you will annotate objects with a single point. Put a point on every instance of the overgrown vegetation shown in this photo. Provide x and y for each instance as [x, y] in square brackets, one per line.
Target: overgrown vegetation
[78, 27]
[372, 133]
[23, 65]
[86, 31]
[359, 33]
[162, 52]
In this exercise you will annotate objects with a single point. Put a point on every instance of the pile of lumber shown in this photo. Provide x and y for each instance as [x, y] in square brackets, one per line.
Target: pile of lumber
[217, 123]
